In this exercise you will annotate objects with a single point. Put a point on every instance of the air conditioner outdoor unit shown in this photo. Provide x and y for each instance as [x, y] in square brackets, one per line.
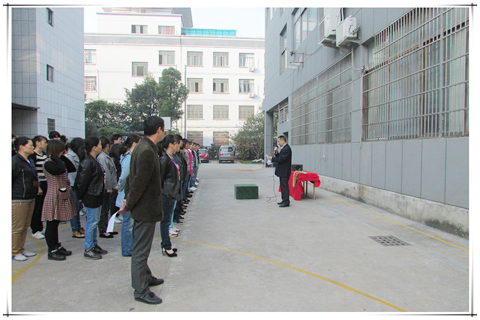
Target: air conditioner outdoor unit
[328, 27]
[251, 95]
[346, 31]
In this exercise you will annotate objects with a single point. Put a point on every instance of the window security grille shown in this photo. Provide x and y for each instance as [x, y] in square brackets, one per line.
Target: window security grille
[416, 85]
[321, 110]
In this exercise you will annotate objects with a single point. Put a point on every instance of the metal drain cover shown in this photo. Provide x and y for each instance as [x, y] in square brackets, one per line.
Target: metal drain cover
[389, 241]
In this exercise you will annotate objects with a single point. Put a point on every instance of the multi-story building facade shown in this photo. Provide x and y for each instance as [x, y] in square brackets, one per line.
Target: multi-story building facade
[376, 102]
[47, 71]
[224, 73]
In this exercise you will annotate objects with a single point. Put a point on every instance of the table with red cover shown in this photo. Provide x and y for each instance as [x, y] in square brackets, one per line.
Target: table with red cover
[299, 177]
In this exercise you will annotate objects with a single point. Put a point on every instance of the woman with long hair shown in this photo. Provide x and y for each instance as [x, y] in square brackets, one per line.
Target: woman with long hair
[171, 189]
[125, 151]
[76, 154]
[59, 204]
[90, 186]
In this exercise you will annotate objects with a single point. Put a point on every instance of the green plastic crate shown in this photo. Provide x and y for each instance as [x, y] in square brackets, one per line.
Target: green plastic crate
[246, 191]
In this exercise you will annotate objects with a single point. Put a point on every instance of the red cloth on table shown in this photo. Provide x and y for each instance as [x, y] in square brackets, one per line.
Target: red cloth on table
[297, 191]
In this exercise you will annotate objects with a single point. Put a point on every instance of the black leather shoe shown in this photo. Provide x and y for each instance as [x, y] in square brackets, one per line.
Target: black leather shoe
[177, 221]
[103, 235]
[55, 255]
[149, 298]
[155, 282]
[283, 205]
[279, 203]
[189, 195]
[99, 250]
[61, 250]
[113, 232]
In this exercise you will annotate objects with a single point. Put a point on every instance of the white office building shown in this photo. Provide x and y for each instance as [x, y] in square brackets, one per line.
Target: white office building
[47, 72]
[224, 73]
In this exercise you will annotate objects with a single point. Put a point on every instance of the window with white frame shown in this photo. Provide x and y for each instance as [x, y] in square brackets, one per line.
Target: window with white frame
[245, 112]
[90, 56]
[90, 83]
[194, 58]
[245, 85]
[195, 136]
[194, 111]
[220, 85]
[220, 59]
[139, 69]
[220, 138]
[246, 60]
[166, 30]
[195, 85]
[166, 58]
[50, 73]
[417, 81]
[220, 112]
[283, 50]
[139, 29]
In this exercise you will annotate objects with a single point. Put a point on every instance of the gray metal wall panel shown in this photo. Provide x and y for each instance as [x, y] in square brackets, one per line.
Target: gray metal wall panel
[356, 126]
[378, 164]
[433, 169]
[457, 172]
[366, 30]
[356, 162]
[347, 162]
[412, 167]
[330, 159]
[366, 163]
[338, 163]
[380, 21]
[393, 166]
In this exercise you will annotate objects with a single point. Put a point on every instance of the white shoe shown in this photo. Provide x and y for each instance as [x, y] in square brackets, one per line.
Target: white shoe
[38, 235]
[175, 230]
[172, 233]
[83, 211]
[19, 257]
[192, 189]
[29, 254]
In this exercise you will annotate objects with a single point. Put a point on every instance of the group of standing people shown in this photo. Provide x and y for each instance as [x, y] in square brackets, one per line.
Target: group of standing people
[146, 180]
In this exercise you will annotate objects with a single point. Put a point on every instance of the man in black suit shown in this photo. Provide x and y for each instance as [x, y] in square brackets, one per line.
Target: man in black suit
[284, 168]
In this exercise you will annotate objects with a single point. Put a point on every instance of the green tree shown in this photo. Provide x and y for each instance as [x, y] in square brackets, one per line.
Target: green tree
[155, 99]
[250, 137]
[103, 117]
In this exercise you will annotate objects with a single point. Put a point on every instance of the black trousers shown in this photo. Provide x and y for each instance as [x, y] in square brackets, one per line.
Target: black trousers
[36, 223]
[104, 215]
[284, 189]
[143, 233]
[51, 234]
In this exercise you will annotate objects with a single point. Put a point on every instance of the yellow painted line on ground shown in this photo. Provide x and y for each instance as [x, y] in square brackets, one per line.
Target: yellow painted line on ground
[403, 225]
[302, 271]
[22, 270]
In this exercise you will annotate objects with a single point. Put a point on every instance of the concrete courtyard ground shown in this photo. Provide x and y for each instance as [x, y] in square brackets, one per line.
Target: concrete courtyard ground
[249, 255]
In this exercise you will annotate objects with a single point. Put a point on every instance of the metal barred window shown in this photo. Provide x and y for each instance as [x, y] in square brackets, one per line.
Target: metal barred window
[321, 111]
[416, 82]
[195, 136]
[194, 111]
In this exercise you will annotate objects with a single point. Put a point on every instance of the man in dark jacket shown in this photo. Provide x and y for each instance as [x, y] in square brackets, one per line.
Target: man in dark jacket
[144, 201]
[284, 168]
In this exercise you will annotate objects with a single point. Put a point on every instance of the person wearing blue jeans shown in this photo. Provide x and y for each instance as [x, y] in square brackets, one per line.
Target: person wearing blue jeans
[125, 152]
[75, 155]
[90, 188]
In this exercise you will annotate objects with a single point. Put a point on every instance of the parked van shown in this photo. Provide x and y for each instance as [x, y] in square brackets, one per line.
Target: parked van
[226, 153]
